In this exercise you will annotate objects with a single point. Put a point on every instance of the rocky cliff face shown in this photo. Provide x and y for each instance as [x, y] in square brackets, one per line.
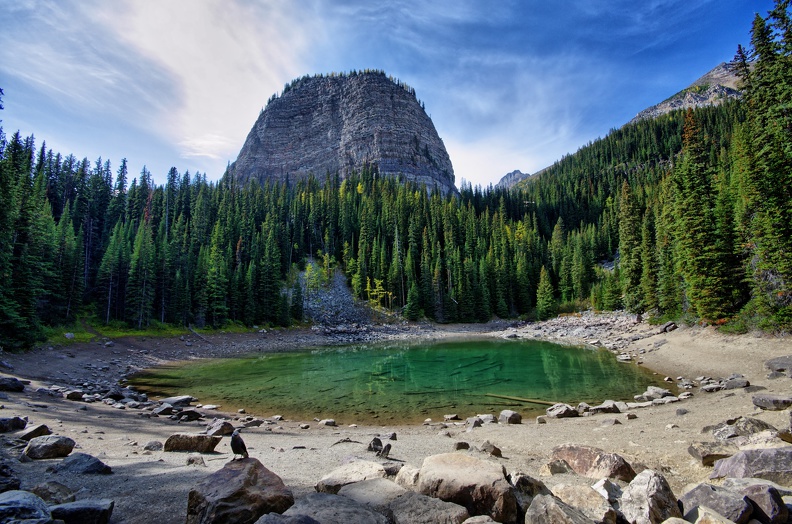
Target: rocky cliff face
[714, 88]
[329, 124]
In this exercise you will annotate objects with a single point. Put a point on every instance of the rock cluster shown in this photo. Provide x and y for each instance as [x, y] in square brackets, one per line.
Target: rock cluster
[339, 124]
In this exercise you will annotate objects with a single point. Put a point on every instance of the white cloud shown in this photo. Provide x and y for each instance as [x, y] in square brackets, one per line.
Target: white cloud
[224, 57]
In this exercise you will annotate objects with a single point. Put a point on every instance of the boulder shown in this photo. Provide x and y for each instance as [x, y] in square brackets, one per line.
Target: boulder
[38, 430]
[609, 406]
[348, 473]
[740, 427]
[12, 384]
[508, 416]
[164, 410]
[772, 402]
[588, 501]
[479, 519]
[12, 424]
[219, 428]
[333, 509]
[8, 479]
[19, 506]
[487, 418]
[736, 383]
[609, 491]
[274, 518]
[491, 449]
[561, 410]
[153, 445]
[555, 467]
[725, 502]
[86, 511]
[546, 509]
[460, 446]
[192, 442]
[49, 446]
[526, 488]
[82, 464]
[593, 462]
[780, 364]
[407, 477]
[772, 464]
[708, 452]
[53, 492]
[648, 499]
[187, 415]
[375, 445]
[414, 508]
[705, 515]
[242, 491]
[180, 401]
[376, 494]
[768, 505]
[478, 485]
[327, 422]
[74, 394]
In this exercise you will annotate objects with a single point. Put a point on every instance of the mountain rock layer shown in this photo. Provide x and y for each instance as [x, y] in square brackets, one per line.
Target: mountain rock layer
[714, 88]
[339, 124]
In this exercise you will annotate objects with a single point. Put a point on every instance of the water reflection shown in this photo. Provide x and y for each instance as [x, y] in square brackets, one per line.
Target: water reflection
[403, 383]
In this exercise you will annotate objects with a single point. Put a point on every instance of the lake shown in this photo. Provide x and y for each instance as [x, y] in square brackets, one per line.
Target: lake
[402, 382]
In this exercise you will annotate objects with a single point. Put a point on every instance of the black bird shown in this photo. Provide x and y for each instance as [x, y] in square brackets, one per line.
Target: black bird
[238, 445]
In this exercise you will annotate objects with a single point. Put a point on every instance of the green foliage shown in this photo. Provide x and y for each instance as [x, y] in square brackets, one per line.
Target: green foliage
[546, 306]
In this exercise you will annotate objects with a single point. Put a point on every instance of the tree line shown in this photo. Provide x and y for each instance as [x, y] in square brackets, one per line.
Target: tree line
[693, 211]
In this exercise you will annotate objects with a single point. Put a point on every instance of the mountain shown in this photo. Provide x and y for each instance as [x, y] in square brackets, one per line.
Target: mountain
[509, 179]
[714, 88]
[341, 123]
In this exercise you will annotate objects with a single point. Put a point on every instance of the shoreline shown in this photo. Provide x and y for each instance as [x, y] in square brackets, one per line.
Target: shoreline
[152, 486]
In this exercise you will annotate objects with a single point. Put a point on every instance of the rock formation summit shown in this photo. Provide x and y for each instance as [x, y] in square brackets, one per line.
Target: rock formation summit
[341, 123]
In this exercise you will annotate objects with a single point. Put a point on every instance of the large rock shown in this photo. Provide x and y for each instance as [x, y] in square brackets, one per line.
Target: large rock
[334, 509]
[772, 464]
[39, 430]
[414, 508]
[609, 406]
[561, 410]
[12, 424]
[740, 427]
[82, 464]
[219, 428]
[526, 488]
[18, 506]
[780, 364]
[356, 471]
[339, 124]
[12, 384]
[705, 515]
[508, 416]
[376, 494]
[478, 485]
[730, 504]
[192, 442]
[274, 518]
[588, 501]
[593, 462]
[242, 491]
[708, 452]
[768, 505]
[772, 402]
[8, 479]
[649, 499]
[546, 509]
[86, 511]
[49, 446]
[53, 492]
[181, 401]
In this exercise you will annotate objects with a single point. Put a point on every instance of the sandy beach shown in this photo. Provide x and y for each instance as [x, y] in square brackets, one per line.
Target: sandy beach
[153, 486]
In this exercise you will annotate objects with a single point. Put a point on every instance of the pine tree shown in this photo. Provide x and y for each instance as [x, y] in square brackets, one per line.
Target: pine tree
[141, 282]
[545, 298]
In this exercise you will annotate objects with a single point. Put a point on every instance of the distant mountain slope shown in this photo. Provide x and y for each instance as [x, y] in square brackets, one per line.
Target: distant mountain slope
[714, 88]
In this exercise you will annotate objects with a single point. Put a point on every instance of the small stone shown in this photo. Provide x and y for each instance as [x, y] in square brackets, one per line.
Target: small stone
[457, 446]
[541, 419]
[492, 449]
[305, 426]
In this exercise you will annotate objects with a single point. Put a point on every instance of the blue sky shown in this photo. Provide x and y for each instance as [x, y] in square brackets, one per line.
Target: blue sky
[508, 84]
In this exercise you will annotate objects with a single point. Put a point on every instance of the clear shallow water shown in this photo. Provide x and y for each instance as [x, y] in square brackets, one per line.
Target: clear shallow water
[402, 383]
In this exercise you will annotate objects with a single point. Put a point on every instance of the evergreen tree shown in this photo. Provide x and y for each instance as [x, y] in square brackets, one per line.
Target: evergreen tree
[545, 297]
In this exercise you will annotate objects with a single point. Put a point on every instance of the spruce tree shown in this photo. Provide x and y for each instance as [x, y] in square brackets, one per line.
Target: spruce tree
[545, 297]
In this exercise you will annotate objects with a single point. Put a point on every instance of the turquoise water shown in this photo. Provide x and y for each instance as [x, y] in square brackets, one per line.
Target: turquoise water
[402, 383]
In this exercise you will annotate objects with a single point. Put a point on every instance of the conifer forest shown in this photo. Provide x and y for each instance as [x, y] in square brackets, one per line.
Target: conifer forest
[688, 215]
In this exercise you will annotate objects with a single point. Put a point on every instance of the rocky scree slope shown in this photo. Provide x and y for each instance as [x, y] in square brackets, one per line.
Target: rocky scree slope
[714, 88]
[339, 124]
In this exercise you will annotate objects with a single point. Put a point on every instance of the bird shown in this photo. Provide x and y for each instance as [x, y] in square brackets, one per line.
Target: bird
[238, 445]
